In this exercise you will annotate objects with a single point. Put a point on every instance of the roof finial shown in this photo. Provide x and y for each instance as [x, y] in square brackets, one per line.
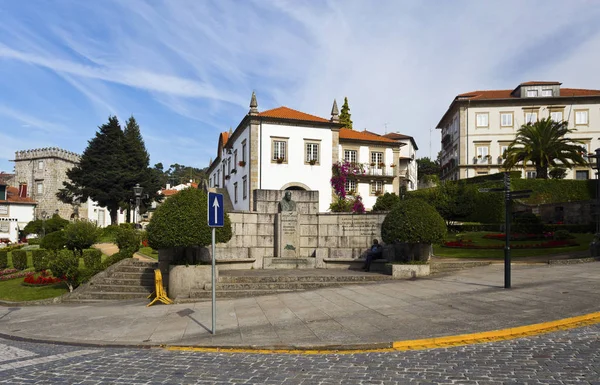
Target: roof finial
[334, 112]
[253, 105]
[230, 131]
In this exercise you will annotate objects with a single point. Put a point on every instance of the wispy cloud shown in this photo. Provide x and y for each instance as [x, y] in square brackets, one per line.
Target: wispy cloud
[31, 121]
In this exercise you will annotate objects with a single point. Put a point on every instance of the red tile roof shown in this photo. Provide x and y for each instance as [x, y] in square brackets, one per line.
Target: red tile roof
[288, 113]
[12, 196]
[224, 137]
[396, 136]
[348, 134]
[507, 94]
[168, 193]
[539, 83]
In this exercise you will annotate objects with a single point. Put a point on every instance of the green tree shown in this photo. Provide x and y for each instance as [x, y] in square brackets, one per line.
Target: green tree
[81, 235]
[40, 227]
[545, 145]
[345, 115]
[426, 166]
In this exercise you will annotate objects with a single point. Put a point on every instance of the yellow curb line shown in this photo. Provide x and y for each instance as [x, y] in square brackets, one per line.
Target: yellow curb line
[422, 344]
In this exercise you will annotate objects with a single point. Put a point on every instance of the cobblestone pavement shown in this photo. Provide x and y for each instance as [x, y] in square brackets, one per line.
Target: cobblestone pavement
[568, 357]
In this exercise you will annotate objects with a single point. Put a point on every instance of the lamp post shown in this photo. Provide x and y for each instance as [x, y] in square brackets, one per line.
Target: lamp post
[137, 191]
[44, 216]
[595, 245]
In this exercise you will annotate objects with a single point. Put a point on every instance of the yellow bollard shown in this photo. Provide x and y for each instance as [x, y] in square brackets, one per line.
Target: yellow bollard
[159, 290]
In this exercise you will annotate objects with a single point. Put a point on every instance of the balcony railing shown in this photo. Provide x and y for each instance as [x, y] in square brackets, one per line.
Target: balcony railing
[370, 169]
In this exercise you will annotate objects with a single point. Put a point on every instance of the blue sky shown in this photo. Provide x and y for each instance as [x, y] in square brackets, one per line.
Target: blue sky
[186, 69]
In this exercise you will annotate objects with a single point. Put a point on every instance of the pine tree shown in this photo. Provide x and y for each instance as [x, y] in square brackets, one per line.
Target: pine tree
[345, 115]
[101, 170]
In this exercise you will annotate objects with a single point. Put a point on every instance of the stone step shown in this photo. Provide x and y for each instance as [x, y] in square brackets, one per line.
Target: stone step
[137, 262]
[107, 288]
[135, 269]
[108, 296]
[130, 275]
[304, 278]
[143, 281]
[207, 294]
[282, 285]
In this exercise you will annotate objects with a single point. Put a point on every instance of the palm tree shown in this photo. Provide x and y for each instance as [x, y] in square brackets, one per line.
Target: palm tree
[544, 144]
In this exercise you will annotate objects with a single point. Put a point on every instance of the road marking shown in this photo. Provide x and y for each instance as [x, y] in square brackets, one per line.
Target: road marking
[46, 359]
[9, 353]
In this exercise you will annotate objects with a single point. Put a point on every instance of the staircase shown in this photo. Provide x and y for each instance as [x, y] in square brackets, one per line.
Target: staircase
[127, 279]
[233, 284]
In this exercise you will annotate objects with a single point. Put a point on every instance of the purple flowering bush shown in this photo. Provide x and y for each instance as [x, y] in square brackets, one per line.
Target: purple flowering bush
[340, 173]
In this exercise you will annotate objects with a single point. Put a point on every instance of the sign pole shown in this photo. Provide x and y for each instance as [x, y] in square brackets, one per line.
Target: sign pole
[214, 301]
[507, 217]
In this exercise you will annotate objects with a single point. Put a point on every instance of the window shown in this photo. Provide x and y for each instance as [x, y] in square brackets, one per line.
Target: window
[235, 194]
[531, 117]
[350, 185]
[4, 227]
[245, 186]
[312, 153]
[244, 151]
[218, 177]
[582, 174]
[482, 154]
[546, 92]
[235, 159]
[503, 150]
[506, 119]
[482, 119]
[581, 117]
[3, 209]
[39, 188]
[531, 174]
[228, 166]
[350, 156]
[376, 187]
[279, 151]
[532, 93]
[377, 158]
[557, 116]
[40, 164]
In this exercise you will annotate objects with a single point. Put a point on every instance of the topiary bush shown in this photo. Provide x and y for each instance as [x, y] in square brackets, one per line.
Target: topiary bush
[527, 223]
[3, 259]
[54, 241]
[181, 222]
[80, 235]
[19, 259]
[385, 202]
[65, 265]
[92, 258]
[40, 258]
[561, 235]
[109, 233]
[413, 221]
[128, 238]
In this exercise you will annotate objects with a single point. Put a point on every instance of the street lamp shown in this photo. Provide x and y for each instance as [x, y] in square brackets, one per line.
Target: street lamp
[137, 191]
[44, 216]
[595, 245]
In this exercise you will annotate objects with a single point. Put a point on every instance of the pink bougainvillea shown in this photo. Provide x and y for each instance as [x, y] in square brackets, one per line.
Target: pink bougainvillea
[340, 173]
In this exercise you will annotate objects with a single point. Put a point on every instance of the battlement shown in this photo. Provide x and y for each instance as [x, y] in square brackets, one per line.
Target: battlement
[45, 153]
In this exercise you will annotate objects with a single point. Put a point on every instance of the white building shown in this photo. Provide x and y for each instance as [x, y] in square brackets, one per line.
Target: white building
[479, 126]
[16, 211]
[285, 149]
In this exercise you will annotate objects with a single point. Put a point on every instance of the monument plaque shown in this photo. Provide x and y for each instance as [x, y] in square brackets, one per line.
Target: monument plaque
[288, 234]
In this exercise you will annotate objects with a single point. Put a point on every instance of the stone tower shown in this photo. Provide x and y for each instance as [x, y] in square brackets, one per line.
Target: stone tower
[44, 170]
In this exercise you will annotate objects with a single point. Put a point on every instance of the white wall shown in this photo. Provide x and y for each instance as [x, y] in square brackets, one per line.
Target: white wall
[19, 215]
[274, 176]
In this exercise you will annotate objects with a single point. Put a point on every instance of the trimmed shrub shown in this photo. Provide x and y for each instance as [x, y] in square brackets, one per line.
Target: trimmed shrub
[19, 259]
[92, 258]
[561, 235]
[65, 265]
[127, 226]
[110, 232]
[121, 255]
[527, 223]
[578, 229]
[413, 221]
[181, 222]
[34, 241]
[40, 258]
[3, 259]
[385, 202]
[81, 235]
[54, 241]
[128, 238]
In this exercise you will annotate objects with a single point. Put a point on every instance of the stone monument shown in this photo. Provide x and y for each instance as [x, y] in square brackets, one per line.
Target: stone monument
[288, 234]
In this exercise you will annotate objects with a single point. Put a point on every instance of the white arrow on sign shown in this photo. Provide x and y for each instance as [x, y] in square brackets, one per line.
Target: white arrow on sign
[216, 206]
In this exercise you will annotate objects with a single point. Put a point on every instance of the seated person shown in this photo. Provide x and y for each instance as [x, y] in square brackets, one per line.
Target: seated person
[375, 252]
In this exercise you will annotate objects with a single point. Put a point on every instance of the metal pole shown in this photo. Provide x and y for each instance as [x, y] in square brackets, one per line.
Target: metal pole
[507, 216]
[214, 301]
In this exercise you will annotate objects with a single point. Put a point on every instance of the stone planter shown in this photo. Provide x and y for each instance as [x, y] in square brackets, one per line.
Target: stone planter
[184, 279]
[410, 271]
[405, 252]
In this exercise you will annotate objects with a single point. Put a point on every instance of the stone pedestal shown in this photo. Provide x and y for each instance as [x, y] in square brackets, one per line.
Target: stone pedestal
[288, 235]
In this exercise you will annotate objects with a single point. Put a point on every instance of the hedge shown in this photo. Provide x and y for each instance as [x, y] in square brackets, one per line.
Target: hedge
[92, 258]
[413, 221]
[3, 259]
[65, 265]
[40, 258]
[19, 259]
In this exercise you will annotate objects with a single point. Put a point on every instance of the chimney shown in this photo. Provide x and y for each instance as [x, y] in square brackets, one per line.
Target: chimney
[23, 190]
[335, 113]
[168, 186]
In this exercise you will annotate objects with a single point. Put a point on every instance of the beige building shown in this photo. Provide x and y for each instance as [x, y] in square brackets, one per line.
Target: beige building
[479, 125]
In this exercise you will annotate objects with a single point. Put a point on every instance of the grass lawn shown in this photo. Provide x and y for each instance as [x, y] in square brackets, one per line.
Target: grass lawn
[14, 290]
[149, 252]
[477, 238]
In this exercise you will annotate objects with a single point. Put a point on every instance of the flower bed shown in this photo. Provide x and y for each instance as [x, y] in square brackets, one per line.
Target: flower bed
[520, 237]
[7, 271]
[16, 274]
[41, 279]
[468, 244]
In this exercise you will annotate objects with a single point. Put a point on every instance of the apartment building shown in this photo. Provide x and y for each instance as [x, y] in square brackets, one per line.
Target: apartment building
[480, 125]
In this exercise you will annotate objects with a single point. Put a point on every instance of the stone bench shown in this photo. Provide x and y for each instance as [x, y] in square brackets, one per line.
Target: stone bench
[377, 265]
[235, 263]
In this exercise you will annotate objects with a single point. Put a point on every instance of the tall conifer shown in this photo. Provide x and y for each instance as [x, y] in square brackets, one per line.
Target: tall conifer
[345, 115]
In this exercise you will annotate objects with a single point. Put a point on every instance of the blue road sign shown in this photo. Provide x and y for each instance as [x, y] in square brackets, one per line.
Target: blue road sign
[216, 213]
